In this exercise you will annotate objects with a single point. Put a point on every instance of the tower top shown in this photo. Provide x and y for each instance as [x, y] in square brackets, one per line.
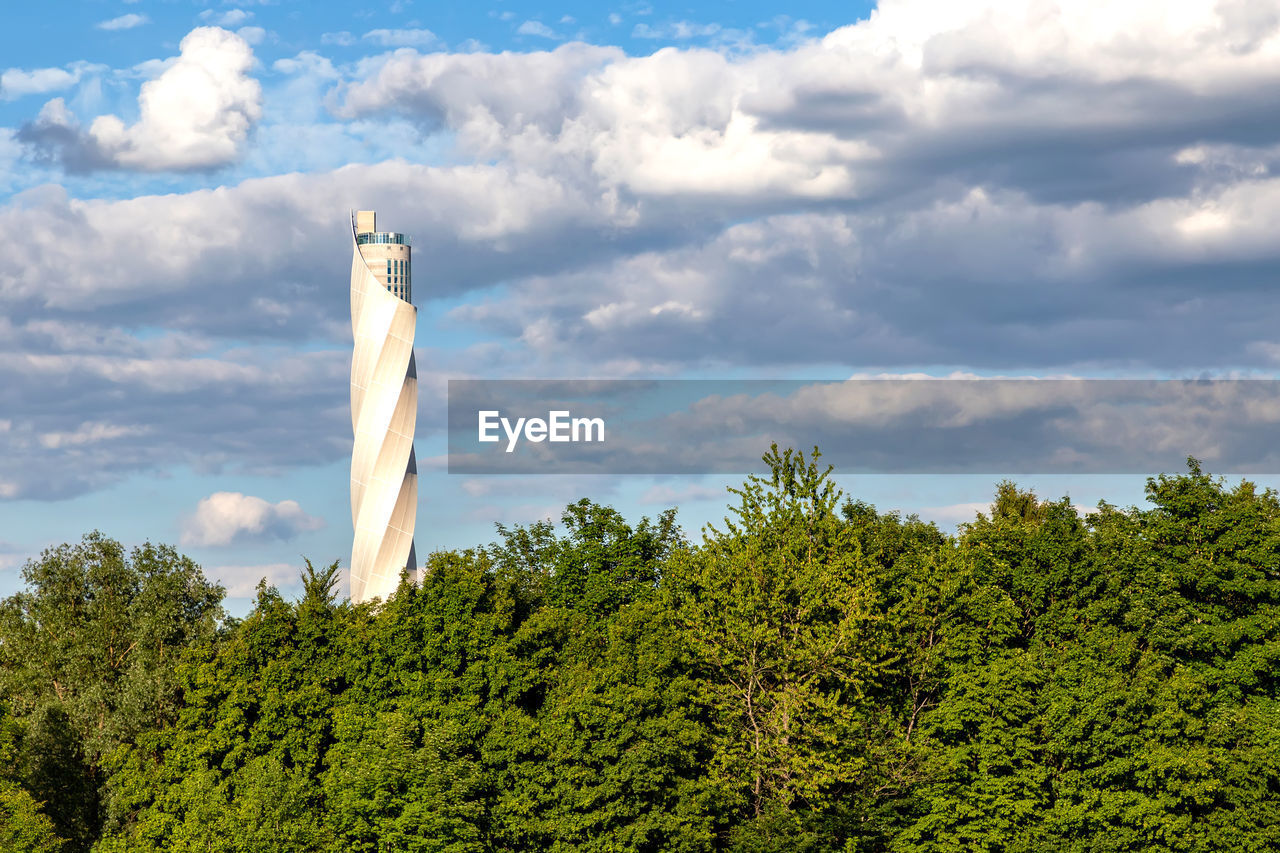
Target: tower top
[367, 232]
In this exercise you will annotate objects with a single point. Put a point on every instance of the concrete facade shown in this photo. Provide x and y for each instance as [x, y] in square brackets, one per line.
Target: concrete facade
[384, 410]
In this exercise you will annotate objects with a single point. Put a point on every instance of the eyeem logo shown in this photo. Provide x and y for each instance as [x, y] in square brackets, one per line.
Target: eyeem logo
[559, 426]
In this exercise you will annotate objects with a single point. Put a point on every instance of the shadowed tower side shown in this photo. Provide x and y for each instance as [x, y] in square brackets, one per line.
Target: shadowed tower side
[384, 410]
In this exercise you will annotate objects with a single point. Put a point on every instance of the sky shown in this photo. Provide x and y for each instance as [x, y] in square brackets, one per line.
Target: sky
[1029, 188]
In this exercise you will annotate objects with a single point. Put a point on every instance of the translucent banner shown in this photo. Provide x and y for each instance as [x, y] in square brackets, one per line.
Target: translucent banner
[962, 426]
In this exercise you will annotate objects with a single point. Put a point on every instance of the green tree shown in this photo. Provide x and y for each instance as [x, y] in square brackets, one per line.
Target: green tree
[600, 564]
[24, 828]
[87, 658]
[24, 824]
[779, 613]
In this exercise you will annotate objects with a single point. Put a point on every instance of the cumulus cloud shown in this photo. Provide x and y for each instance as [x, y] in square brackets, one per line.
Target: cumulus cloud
[195, 115]
[537, 28]
[483, 95]
[1062, 101]
[988, 280]
[224, 518]
[154, 412]
[993, 185]
[124, 22]
[192, 261]
[228, 18]
[17, 82]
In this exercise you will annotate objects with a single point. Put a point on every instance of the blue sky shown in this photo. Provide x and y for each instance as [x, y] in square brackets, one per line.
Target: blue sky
[643, 190]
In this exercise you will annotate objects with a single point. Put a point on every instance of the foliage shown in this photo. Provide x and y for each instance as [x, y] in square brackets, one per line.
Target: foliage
[813, 675]
[87, 658]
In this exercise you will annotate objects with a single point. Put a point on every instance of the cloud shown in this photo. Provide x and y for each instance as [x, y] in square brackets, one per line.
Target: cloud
[987, 280]
[539, 29]
[194, 115]
[240, 332]
[11, 556]
[16, 82]
[124, 22]
[985, 185]
[668, 495]
[252, 35]
[229, 18]
[1050, 104]
[224, 518]
[154, 412]
[953, 514]
[483, 96]
[404, 38]
[90, 432]
[877, 426]
[242, 581]
[342, 38]
[677, 30]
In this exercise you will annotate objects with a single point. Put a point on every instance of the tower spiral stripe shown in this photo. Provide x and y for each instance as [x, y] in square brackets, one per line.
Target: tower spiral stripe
[384, 413]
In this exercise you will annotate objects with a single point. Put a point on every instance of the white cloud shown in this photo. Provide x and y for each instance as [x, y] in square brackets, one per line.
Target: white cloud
[252, 35]
[194, 115]
[229, 18]
[1001, 185]
[920, 87]
[537, 28]
[90, 432]
[15, 82]
[124, 22]
[953, 514]
[404, 38]
[242, 581]
[342, 38]
[226, 517]
[678, 30]
[307, 63]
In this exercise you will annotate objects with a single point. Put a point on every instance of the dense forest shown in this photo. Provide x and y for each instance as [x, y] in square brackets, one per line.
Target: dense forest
[811, 675]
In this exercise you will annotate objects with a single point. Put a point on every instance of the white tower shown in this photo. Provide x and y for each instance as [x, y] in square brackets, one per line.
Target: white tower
[384, 410]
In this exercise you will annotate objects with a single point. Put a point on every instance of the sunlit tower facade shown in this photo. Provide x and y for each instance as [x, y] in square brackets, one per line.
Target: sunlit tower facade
[384, 409]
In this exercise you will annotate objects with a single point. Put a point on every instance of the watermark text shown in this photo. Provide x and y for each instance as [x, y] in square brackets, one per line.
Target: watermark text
[558, 426]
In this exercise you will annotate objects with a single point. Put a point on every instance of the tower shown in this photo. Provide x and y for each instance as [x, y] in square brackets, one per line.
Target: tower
[384, 410]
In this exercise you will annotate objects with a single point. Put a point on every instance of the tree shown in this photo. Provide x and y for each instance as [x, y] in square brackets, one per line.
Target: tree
[600, 565]
[87, 658]
[779, 612]
[24, 828]
[24, 824]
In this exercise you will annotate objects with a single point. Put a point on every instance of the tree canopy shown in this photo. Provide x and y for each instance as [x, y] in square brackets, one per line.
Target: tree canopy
[811, 675]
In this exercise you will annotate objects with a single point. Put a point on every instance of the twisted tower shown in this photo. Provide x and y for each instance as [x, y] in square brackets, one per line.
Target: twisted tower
[384, 410]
